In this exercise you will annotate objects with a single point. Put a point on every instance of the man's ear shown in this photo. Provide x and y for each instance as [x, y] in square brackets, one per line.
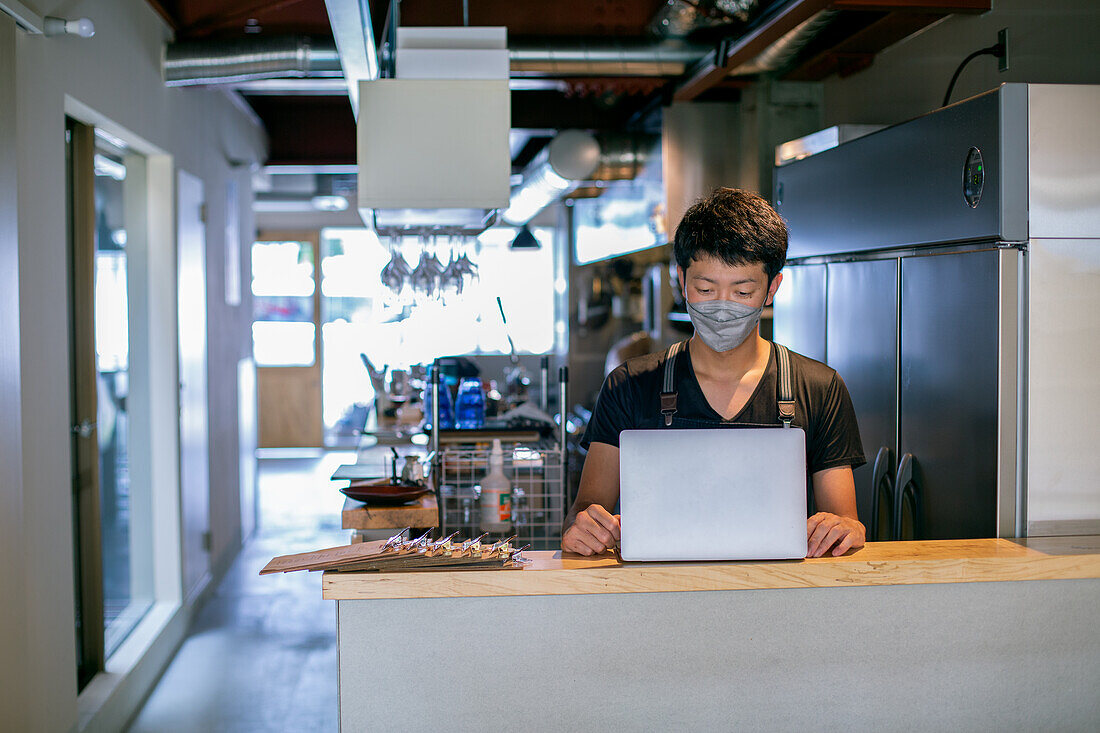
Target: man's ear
[774, 286]
[680, 276]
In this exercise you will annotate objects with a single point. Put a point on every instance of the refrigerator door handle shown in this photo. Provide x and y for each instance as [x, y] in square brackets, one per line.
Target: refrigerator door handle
[882, 485]
[907, 485]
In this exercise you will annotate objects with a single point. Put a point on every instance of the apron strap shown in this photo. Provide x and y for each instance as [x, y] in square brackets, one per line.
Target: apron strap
[668, 391]
[785, 388]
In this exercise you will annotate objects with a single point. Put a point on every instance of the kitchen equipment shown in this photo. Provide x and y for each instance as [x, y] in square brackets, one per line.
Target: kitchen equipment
[947, 267]
[534, 474]
[516, 379]
[413, 471]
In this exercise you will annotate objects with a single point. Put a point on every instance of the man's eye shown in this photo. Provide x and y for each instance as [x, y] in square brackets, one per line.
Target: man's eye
[744, 295]
[703, 290]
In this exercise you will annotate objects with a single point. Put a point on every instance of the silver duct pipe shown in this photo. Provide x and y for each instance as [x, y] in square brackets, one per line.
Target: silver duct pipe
[578, 58]
[222, 62]
[253, 59]
[781, 53]
[571, 158]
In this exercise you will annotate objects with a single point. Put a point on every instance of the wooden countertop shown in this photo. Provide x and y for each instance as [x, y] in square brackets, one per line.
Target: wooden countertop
[878, 563]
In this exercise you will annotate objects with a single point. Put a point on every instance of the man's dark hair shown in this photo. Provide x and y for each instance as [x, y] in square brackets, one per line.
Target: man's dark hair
[735, 226]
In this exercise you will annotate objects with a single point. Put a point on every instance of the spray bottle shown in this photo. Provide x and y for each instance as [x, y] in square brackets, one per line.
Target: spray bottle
[496, 494]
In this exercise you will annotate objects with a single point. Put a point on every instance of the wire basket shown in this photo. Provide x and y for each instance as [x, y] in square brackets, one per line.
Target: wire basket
[538, 497]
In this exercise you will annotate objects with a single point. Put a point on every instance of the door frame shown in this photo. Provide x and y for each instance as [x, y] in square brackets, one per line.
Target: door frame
[88, 547]
[195, 540]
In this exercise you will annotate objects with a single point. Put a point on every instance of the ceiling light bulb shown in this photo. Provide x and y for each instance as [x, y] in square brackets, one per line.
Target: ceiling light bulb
[82, 27]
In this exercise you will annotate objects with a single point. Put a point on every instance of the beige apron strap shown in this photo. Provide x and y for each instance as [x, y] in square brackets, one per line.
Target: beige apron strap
[785, 387]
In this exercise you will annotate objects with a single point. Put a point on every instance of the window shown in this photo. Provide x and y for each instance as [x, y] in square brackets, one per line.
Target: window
[283, 331]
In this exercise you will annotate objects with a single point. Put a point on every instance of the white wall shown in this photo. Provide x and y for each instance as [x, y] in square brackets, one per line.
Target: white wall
[13, 620]
[117, 75]
[1052, 41]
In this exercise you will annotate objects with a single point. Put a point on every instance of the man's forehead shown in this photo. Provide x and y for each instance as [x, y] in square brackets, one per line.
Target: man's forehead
[714, 268]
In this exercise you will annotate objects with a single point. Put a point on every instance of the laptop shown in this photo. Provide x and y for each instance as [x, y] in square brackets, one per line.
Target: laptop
[718, 494]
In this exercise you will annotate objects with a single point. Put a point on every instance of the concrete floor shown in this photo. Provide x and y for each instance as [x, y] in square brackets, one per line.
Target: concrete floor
[261, 654]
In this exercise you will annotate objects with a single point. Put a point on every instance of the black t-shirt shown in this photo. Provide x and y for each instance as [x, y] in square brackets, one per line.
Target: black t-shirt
[630, 399]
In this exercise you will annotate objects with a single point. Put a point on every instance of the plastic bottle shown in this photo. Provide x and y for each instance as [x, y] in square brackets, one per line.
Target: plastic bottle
[470, 405]
[446, 410]
[496, 494]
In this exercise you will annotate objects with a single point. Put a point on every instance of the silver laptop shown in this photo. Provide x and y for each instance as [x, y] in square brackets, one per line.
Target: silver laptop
[720, 494]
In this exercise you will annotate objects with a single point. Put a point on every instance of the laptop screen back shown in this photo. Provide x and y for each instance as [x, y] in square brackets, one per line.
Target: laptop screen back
[719, 494]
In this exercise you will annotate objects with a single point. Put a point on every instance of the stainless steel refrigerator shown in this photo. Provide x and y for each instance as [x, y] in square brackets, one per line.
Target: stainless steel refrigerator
[949, 269]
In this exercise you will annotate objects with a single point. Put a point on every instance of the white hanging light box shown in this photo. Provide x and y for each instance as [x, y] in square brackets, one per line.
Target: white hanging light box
[433, 143]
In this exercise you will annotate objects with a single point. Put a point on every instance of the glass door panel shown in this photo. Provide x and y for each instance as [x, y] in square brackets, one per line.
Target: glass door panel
[122, 606]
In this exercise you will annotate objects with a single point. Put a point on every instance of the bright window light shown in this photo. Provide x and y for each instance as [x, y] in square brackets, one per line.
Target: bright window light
[278, 343]
[399, 335]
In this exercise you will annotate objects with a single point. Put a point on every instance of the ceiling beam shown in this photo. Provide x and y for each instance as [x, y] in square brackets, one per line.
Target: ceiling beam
[730, 54]
[353, 31]
[858, 49]
[942, 7]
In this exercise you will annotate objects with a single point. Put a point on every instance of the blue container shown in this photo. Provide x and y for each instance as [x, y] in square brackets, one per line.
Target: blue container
[470, 405]
[446, 410]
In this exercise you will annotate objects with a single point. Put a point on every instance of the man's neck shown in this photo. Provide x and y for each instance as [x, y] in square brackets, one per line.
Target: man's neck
[729, 365]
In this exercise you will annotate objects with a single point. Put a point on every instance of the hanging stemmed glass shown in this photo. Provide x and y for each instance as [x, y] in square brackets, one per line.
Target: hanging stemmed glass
[426, 277]
[453, 275]
[463, 269]
[396, 275]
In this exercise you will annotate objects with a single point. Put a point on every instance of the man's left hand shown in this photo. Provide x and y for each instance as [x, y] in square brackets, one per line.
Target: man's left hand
[825, 531]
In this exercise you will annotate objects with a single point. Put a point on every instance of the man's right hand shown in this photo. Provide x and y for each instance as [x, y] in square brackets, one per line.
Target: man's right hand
[595, 530]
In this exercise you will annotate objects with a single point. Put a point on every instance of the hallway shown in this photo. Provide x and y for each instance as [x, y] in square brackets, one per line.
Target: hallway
[261, 653]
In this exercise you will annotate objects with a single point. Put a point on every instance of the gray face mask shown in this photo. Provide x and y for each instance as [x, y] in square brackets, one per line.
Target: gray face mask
[723, 324]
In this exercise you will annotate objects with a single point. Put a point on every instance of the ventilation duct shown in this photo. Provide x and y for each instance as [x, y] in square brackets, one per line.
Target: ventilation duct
[251, 59]
[603, 58]
[255, 59]
[574, 157]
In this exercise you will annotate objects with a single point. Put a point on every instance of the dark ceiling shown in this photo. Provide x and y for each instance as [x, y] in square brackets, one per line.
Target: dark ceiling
[319, 129]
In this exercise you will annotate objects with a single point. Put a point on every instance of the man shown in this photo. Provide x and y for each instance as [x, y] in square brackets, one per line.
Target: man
[729, 249]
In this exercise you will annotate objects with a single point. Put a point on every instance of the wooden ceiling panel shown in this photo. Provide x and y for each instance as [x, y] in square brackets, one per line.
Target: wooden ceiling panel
[307, 130]
[619, 18]
[205, 18]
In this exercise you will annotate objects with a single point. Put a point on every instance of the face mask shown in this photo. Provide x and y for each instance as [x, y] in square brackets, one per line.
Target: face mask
[723, 324]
